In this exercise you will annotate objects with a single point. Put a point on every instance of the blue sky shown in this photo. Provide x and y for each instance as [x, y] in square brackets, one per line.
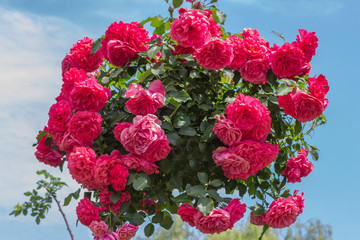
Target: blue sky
[35, 35]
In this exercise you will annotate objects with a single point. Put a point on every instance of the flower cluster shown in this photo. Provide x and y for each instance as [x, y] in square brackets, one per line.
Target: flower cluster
[298, 167]
[217, 221]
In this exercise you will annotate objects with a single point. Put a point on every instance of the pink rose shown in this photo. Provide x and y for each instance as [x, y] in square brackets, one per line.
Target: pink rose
[102, 169]
[283, 212]
[214, 28]
[47, 154]
[59, 115]
[118, 177]
[298, 167]
[307, 42]
[215, 54]
[85, 126]
[69, 142]
[98, 228]
[146, 138]
[138, 164]
[236, 209]
[66, 64]
[258, 220]
[255, 70]
[255, 46]
[126, 231]
[287, 103]
[108, 236]
[287, 61]
[81, 162]
[179, 49]
[250, 116]
[217, 221]
[191, 28]
[226, 131]
[86, 212]
[119, 128]
[240, 56]
[80, 56]
[318, 86]
[89, 95]
[71, 77]
[119, 53]
[187, 213]
[104, 196]
[143, 101]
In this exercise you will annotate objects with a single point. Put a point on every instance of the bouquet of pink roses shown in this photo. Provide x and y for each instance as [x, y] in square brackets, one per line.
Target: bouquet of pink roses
[162, 124]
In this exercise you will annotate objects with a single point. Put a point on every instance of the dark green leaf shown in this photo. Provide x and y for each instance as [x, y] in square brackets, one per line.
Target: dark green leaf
[141, 182]
[158, 217]
[149, 230]
[214, 194]
[68, 199]
[197, 191]
[216, 183]
[115, 197]
[298, 127]
[177, 3]
[96, 46]
[187, 131]
[135, 218]
[205, 205]
[167, 221]
[181, 198]
[152, 51]
[173, 138]
[314, 154]
[283, 89]
[203, 177]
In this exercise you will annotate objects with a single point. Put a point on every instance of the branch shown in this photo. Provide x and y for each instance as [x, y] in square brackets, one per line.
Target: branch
[62, 213]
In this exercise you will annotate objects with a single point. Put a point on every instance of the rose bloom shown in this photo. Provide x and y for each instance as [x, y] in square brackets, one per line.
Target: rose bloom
[255, 46]
[255, 70]
[98, 228]
[104, 196]
[80, 56]
[47, 154]
[132, 161]
[89, 95]
[143, 101]
[69, 142]
[236, 209]
[303, 106]
[287, 61]
[191, 28]
[298, 167]
[102, 169]
[283, 212]
[66, 64]
[258, 220]
[86, 212]
[217, 221]
[59, 115]
[240, 56]
[214, 27]
[187, 213]
[85, 126]
[71, 77]
[118, 177]
[318, 86]
[250, 116]
[146, 138]
[226, 131]
[126, 231]
[215, 54]
[119, 52]
[108, 236]
[307, 42]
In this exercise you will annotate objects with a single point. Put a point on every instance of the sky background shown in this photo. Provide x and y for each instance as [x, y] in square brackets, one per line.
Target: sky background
[35, 36]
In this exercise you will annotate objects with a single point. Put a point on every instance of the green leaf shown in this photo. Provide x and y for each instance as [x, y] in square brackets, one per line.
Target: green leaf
[205, 205]
[187, 131]
[134, 218]
[124, 207]
[197, 191]
[115, 197]
[314, 154]
[203, 177]
[242, 189]
[177, 3]
[216, 183]
[37, 220]
[158, 217]
[96, 46]
[173, 138]
[149, 230]
[142, 76]
[283, 89]
[214, 194]
[141, 182]
[218, 16]
[181, 198]
[142, 23]
[298, 127]
[167, 221]
[152, 51]
[68, 199]
[181, 96]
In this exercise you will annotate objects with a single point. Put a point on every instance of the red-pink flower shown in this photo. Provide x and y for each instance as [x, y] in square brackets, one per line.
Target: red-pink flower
[217, 221]
[126, 231]
[143, 101]
[59, 115]
[232, 164]
[86, 212]
[214, 27]
[146, 138]
[132, 161]
[318, 86]
[283, 212]
[250, 116]
[98, 228]
[258, 220]
[255, 70]
[69, 142]
[215, 54]
[298, 167]
[287, 61]
[118, 177]
[47, 154]
[71, 77]
[85, 126]
[105, 195]
[80, 56]
[255, 46]
[89, 95]
[119, 52]
[66, 64]
[108, 236]
[240, 56]
[191, 28]
[226, 131]
[187, 213]
[307, 42]
[236, 209]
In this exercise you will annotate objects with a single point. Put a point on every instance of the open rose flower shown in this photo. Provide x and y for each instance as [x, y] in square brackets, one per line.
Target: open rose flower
[307, 42]
[87, 212]
[217, 221]
[59, 116]
[119, 52]
[126, 231]
[72, 76]
[258, 220]
[240, 56]
[85, 126]
[255, 70]
[215, 54]
[48, 155]
[98, 228]
[226, 131]
[318, 86]
[298, 167]
[187, 213]
[255, 46]
[236, 209]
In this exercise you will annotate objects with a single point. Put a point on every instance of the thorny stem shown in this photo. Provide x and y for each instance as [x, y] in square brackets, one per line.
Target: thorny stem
[62, 213]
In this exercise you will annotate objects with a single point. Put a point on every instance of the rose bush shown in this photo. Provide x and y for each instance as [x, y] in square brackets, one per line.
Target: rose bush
[155, 125]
